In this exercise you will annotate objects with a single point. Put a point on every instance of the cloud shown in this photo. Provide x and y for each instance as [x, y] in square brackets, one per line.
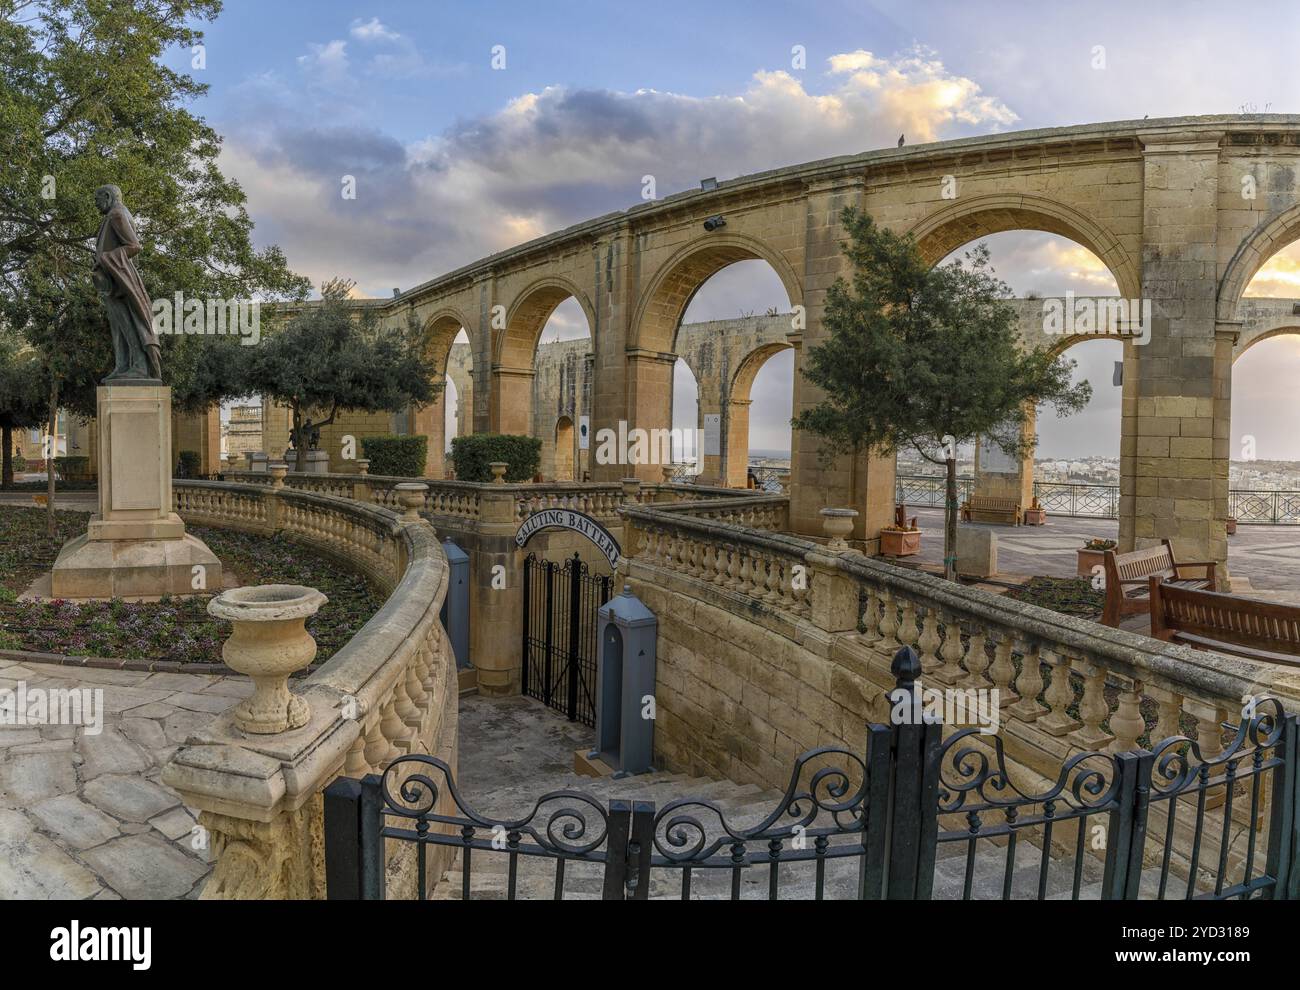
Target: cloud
[372, 30]
[552, 157]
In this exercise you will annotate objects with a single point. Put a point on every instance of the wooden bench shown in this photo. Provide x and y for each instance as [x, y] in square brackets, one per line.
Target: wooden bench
[993, 509]
[1211, 620]
[1128, 590]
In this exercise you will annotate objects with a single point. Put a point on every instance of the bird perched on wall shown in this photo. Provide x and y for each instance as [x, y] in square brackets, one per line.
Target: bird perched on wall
[900, 140]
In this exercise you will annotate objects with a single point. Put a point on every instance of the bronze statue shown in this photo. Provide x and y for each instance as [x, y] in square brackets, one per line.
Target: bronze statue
[130, 314]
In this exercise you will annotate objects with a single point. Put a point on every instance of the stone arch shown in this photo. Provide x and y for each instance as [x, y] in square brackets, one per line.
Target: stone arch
[670, 290]
[966, 220]
[1255, 249]
[440, 330]
[1251, 340]
[735, 466]
[516, 346]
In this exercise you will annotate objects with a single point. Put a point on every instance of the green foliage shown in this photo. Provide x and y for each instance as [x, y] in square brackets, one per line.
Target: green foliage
[76, 466]
[188, 464]
[19, 462]
[396, 457]
[331, 357]
[471, 456]
[919, 356]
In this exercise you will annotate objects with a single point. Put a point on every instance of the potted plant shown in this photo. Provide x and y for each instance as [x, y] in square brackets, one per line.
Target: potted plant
[1035, 515]
[900, 541]
[1232, 525]
[1091, 555]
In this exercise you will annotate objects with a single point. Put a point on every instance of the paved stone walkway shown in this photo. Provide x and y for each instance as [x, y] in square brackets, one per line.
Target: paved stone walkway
[1266, 557]
[84, 815]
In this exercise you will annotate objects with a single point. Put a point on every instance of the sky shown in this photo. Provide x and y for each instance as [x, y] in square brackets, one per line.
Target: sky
[471, 127]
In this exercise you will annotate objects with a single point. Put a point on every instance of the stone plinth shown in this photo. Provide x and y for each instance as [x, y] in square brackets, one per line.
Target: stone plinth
[135, 545]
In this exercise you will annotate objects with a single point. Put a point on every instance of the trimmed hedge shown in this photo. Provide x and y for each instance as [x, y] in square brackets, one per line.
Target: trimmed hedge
[396, 456]
[75, 467]
[471, 456]
[187, 465]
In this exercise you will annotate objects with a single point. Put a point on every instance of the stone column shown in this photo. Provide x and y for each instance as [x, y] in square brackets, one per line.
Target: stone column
[431, 422]
[735, 443]
[497, 599]
[865, 483]
[512, 401]
[649, 407]
[1183, 380]
[711, 403]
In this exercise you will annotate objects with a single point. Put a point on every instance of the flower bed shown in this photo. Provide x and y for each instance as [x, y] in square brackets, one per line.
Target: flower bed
[175, 629]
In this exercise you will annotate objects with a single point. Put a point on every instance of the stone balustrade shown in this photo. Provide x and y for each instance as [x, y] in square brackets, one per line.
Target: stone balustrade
[831, 621]
[389, 692]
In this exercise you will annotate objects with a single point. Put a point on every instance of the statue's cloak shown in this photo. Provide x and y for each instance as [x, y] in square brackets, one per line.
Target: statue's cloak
[115, 245]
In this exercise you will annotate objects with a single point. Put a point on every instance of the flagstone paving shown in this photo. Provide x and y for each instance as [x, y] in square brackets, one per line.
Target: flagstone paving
[84, 815]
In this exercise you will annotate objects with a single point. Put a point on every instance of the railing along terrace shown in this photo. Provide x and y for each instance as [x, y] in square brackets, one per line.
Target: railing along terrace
[1064, 685]
[390, 691]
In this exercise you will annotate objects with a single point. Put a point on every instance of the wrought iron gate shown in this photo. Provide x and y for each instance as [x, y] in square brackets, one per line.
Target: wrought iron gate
[559, 643]
[916, 817]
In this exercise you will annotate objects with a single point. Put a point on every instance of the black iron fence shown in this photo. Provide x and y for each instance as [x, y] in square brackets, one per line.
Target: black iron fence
[561, 602]
[916, 817]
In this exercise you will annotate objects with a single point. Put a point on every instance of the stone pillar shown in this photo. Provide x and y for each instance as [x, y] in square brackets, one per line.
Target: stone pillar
[497, 600]
[649, 407]
[512, 401]
[735, 444]
[614, 301]
[1183, 379]
[431, 422]
[713, 467]
[865, 483]
[1017, 483]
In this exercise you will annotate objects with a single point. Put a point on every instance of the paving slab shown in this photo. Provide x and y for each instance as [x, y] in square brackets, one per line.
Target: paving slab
[145, 867]
[75, 822]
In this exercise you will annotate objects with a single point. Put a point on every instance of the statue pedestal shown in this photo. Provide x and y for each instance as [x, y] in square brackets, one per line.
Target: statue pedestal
[135, 545]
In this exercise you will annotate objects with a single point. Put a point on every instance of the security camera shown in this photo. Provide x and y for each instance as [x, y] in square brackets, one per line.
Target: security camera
[713, 223]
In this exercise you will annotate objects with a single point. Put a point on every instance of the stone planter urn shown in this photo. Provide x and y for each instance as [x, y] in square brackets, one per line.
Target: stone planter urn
[363, 466]
[899, 542]
[410, 495]
[498, 469]
[837, 524]
[277, 473]
[270, 641]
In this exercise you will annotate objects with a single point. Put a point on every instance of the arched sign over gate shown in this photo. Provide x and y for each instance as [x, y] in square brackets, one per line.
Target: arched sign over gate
[578, 522]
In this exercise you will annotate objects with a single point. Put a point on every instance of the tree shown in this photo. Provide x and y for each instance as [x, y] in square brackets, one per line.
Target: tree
[20, 397]
[85, 101]
[333, 357]
[928, 358]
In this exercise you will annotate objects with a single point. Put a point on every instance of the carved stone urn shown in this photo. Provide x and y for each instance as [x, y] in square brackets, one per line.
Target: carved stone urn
[410, 496]
[837, 524]
[270, 641]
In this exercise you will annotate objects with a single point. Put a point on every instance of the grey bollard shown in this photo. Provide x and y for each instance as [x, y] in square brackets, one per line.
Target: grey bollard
[628, 632]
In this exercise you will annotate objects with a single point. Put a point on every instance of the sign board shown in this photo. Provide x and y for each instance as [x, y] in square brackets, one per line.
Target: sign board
[712, 434]
[584, 432]
[994, 461]
[578, 522]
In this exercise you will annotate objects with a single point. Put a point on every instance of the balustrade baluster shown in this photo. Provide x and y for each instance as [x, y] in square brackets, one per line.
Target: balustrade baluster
[871, 615]
[1092, 706]
[1059, 696]
[951, 672]
[1127, 723]
[928, 642]
[977, 662]
[1028, 686]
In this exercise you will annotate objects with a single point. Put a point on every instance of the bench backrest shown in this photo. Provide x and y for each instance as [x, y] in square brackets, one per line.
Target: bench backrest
[1213, 615]
[995, 503]
[1138, 564]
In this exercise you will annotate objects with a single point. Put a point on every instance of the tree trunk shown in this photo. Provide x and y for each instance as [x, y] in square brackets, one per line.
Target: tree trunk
[950, 523]
[7, 457]
[298, 436]
[53, 444]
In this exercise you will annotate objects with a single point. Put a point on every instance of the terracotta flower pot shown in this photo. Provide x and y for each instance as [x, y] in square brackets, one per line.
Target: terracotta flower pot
[269, 642]
[1232, 526]
[1035, 517]
[900, 542]
[1088, 559]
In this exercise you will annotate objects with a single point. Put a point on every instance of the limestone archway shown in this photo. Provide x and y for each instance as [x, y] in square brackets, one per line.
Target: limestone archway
[440, 331]
[514, 350]
[1251, 255]
[735, 451]
[658, 317]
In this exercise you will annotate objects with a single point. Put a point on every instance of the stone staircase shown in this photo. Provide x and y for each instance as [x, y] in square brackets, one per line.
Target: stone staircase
[744, 805]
